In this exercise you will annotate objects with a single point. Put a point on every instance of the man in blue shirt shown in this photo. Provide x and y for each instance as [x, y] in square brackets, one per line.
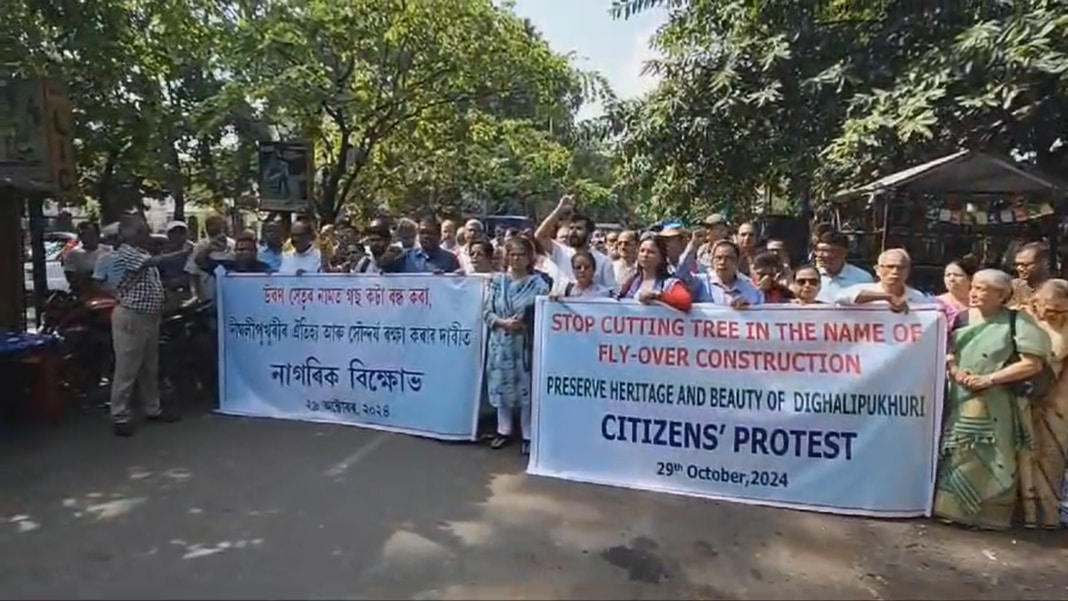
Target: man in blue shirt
[428, 257]
[724, 285]
[270, 252]
[836, 275]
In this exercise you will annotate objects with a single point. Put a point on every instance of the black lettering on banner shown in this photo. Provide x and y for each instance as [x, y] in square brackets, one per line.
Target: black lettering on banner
[783, 442]
[723, 475]
[339, 407]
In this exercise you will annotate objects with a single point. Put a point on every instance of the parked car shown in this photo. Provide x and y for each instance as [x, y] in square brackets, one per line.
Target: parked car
[517, 222]
[56, 247]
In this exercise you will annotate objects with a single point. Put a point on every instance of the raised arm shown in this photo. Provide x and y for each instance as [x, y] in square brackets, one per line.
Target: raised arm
[547, 229]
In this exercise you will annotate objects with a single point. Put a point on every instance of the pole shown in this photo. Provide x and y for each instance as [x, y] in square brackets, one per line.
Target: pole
[35, 215]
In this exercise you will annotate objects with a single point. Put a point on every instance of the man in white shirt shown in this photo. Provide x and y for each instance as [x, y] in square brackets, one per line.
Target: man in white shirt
[448, 237]
[579, 229]
[835, 274]
[473, 232]
[204, 283]
[891, 289]
[304, 258]
[80, 262]
[627, 249]
[407, 232]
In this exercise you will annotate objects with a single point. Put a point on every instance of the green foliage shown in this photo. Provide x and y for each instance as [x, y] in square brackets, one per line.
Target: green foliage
[799, 99]
[441, 104]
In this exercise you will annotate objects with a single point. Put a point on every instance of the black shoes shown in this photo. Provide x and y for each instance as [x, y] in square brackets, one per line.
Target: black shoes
[126, 429]
[164, 417]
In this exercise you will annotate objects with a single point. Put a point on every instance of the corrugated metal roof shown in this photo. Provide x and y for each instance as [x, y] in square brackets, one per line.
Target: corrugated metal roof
[963, 172]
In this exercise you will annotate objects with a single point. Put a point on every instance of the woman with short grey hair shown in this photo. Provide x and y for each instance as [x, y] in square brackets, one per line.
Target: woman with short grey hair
[987, 422]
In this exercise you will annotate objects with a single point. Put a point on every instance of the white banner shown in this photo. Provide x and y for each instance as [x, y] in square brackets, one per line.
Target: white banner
[396, 352]
[822, 408]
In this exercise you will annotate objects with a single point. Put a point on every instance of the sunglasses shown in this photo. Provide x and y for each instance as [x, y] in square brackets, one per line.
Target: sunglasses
[809, 281]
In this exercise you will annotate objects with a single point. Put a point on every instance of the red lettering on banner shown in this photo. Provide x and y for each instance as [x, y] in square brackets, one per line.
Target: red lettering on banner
[660, 356]
[569, 322]
[779, 361]
[637, 325]
[796, 331]
[909, 333]
[852, 332]
[716, 328]
[613, 353]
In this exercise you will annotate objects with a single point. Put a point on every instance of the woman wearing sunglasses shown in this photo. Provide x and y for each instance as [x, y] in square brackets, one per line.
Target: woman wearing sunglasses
[806, 285]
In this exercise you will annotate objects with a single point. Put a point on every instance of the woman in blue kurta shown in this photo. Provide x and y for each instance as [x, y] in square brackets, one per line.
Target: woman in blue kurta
[510, 316]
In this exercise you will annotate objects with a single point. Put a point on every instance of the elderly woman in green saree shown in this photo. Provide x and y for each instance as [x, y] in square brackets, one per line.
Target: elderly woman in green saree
[987, 424]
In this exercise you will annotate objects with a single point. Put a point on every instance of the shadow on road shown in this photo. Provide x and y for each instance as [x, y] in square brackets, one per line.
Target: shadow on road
[235, 508]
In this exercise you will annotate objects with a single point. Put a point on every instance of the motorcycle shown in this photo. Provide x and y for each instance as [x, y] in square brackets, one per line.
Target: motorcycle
[187, 351]
[83, 329]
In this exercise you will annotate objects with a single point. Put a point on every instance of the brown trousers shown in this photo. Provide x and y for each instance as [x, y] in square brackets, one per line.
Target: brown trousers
[135, 337]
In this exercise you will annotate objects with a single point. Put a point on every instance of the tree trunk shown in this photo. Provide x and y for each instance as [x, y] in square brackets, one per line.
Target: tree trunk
[110, 211]
[175, 181]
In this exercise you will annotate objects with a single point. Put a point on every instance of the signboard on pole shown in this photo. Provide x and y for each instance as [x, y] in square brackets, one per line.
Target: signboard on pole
[23, 144]
[286, 170]
[35, 135]
[59, 133]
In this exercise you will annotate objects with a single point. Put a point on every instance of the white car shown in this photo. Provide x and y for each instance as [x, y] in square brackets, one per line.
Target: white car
[56, 246]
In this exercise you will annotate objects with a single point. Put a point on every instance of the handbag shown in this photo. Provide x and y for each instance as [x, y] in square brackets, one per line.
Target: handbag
[1037, 386]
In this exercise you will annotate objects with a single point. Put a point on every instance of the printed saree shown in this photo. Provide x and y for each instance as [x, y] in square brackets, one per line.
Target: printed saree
[1042, 467]
[983, 433]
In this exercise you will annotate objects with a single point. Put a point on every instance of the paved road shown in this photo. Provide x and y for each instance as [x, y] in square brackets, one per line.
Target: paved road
[232, 508]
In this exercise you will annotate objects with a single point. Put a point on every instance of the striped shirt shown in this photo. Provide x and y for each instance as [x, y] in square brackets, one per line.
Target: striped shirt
[138, 289]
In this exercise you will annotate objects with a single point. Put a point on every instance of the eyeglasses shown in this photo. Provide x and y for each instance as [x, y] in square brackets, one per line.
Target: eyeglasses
[808, 281]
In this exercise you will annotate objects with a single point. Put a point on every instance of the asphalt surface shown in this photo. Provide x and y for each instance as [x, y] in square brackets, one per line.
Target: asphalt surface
[233, 508]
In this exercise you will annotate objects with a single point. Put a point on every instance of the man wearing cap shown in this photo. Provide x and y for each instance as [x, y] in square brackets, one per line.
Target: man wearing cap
[716, 228]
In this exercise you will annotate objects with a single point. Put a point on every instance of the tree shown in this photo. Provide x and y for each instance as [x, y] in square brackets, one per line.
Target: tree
[986, 75]
[410, 105]
[803, 99]
[352, 74]
[137, 73]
